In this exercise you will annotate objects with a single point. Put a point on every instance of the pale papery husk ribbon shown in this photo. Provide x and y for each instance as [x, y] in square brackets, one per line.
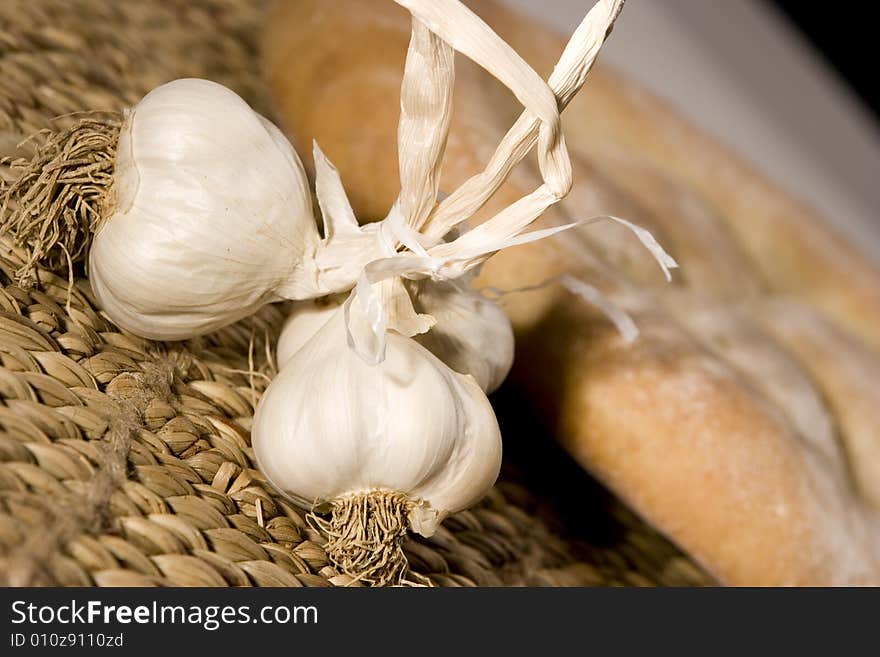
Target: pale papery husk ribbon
[417, 222]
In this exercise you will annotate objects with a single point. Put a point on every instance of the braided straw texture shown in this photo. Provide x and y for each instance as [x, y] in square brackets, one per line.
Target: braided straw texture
[125, 462]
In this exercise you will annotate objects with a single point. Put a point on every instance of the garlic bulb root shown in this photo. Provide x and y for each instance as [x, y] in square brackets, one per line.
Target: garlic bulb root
[365, 536]
[57, 201]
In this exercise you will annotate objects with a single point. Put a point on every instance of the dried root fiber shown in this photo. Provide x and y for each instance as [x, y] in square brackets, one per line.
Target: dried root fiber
[365, 535]
[58, 198]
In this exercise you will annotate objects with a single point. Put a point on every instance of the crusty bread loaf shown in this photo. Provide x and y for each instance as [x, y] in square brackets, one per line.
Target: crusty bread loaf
[846, 374]
[736, 423]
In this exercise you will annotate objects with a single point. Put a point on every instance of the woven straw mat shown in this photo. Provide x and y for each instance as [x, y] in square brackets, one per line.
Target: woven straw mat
[128, 462]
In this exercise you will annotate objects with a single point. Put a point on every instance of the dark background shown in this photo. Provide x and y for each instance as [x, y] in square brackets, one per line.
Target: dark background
[845, 33]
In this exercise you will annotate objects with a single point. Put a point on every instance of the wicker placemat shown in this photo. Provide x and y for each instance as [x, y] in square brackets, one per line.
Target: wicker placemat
[128, 462]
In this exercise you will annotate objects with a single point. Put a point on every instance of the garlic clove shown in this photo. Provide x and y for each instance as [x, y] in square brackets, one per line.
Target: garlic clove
[212, 212]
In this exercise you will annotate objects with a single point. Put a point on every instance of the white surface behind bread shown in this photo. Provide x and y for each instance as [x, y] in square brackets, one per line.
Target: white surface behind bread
[738, 69]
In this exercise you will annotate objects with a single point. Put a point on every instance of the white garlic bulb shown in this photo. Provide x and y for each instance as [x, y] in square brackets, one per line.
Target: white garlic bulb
[332, 427]
[472, 335]
[211, 214]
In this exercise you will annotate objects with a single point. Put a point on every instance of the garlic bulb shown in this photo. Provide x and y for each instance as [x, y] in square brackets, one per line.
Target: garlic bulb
[472, 335]
[408, 432]
[212, 213]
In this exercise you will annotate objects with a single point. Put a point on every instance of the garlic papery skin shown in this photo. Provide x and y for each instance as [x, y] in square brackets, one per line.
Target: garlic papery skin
[331, 426]
[211, 213]
[472, 335]
[305, 319]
